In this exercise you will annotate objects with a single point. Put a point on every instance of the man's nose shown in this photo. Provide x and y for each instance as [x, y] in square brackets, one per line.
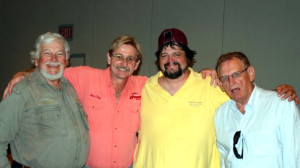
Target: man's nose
[54, 57]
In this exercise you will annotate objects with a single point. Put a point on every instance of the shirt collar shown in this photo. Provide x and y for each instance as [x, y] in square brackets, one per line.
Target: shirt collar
[253, 98]
[109, 81]
[38, 76]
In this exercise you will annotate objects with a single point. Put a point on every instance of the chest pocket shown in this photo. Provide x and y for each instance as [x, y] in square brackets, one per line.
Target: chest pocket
[50, 122]
[262, 143]
[131, 117]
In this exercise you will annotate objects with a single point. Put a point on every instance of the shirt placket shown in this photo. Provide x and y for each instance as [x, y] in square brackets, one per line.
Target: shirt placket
[115, 144]
[115, 129]
[75, 126]
[244, 125]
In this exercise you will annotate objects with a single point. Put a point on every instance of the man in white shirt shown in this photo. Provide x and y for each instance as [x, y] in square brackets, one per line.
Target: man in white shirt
[255, 128]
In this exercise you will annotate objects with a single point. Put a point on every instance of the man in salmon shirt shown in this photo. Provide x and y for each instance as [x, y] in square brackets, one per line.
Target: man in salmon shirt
[112, 100]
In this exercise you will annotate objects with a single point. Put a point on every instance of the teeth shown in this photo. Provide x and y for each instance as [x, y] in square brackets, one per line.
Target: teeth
[123, 68]
[53, 64]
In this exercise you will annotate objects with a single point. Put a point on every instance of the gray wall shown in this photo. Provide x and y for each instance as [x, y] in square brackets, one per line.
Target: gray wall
[267, 31]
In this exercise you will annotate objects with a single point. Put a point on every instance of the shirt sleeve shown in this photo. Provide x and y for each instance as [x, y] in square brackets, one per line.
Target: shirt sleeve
[222, 154]
[290, 133]
[72, 74]
[219, 145]
[11, 110]
[77, 76]
[222, 97]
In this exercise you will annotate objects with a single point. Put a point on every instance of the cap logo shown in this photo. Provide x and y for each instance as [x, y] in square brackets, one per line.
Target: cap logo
[167, 35]
[172, 35]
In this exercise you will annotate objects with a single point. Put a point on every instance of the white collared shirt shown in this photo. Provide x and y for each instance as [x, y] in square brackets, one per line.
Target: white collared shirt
[270, 132]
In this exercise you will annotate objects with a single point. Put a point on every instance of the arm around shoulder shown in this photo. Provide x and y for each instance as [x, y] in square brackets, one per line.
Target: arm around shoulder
[17, 78]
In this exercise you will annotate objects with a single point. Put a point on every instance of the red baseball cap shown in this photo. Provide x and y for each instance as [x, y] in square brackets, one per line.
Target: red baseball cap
[174, 35]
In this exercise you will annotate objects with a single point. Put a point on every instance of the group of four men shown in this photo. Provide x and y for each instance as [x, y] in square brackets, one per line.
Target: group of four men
[173, 111]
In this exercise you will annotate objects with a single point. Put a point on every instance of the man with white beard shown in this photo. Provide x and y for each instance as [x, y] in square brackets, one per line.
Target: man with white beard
[43, 120]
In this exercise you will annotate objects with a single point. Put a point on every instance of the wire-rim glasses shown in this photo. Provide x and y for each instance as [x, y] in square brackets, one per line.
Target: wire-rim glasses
[234, 75]
[120, 57]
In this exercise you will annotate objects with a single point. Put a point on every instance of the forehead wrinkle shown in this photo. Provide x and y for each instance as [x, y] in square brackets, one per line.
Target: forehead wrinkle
[231, 66]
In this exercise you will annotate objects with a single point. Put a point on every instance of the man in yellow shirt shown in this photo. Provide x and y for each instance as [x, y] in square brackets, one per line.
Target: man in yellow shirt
[178, 106]
[177, 111]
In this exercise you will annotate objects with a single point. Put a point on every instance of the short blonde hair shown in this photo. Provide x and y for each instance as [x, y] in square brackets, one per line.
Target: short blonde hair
[128, 40]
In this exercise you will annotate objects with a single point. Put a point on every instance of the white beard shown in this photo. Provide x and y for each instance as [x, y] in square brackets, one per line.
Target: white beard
[56, 76]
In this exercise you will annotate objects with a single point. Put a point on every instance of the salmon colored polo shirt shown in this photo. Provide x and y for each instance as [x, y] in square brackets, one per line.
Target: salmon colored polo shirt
[112, 126]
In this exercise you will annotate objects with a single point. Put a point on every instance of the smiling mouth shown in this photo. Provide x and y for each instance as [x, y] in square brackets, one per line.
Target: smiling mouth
[170, 64]
[124, 69]
[53, 66]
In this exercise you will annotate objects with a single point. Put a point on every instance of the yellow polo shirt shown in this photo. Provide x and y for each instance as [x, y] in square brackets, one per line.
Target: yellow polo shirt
[178, 131]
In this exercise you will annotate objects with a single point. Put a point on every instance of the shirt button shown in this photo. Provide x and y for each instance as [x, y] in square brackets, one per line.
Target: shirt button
[115, 146]
[116, 128]
[114, 161]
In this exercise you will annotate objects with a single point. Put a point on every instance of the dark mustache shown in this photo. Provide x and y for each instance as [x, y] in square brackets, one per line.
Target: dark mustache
[169, 63]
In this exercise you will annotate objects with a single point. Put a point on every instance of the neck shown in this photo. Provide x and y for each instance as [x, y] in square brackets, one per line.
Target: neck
[173, 85]
[241, 107]
[55, 83]
[119, 85]
[241, 104]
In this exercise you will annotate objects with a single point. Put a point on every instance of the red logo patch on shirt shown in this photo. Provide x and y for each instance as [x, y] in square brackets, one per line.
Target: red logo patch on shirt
[95, 96]
[135, 96]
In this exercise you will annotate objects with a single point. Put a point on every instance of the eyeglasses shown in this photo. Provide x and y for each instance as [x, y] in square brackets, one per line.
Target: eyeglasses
[236, 138]
[120, 57]
[234, 75]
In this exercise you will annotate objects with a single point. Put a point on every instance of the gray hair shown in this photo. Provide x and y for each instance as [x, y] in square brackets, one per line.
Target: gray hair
[45, 39]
